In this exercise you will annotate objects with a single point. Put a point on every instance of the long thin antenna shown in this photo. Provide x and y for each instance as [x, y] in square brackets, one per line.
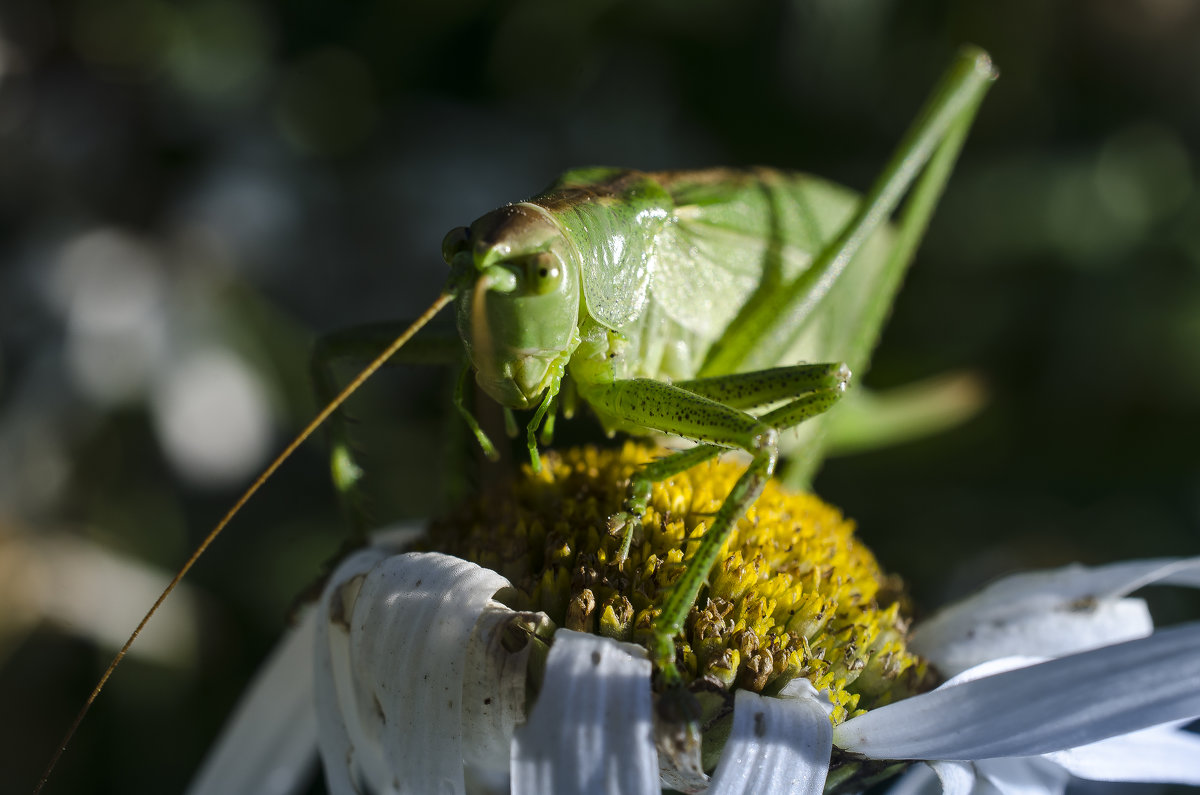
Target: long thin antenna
[324, 414]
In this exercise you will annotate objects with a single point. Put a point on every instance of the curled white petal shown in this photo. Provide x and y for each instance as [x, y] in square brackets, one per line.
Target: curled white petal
[396, 630]
[941, 778]
[803, 689]
[993, 667]
[1046, 707]
[1128, 576]
[591, 730]
[920, 779]
[1021, 776]
[269, 744]
[1053, 631]
[493, 698]
[337, 727]
[956, 778]
[777, 745]
[1048, 613]
[1161, 754]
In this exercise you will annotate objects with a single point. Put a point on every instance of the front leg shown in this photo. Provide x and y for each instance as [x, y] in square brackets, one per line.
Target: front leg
[740, 391]
[673, 409]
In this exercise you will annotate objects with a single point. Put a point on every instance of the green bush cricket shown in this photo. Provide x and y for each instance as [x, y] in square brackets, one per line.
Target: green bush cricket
[674, 303]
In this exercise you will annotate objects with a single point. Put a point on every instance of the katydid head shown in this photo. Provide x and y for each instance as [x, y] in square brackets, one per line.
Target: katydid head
[517, 288]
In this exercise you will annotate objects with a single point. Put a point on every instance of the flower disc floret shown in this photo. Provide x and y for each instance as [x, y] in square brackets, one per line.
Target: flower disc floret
[794, 594]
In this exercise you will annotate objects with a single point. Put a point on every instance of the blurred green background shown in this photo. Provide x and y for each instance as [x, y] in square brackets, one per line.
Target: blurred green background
[190, 192]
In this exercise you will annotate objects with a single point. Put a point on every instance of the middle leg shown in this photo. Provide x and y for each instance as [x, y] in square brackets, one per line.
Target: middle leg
[703, 415]
[739, 391]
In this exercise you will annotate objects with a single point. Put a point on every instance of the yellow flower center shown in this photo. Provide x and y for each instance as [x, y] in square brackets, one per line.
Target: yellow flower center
[795, 593]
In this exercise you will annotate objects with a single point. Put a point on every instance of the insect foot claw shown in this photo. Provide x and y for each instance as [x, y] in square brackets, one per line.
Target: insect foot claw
[617, 522]
[489, 449]
[623, 524]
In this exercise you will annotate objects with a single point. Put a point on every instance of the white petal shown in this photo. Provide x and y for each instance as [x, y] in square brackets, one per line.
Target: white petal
[269, 744]
[991, 668]
[940, 778]
[1023, 776]
[333, 689]
[1048, 613]
[777, 745]
[1155, 571]
[334, 686]
[591, 730]
[957, 778]
[1047, 707]
[803, 689]
[1045, 631]
[407, 624]
[920, 779]
[493, 697]
[1161, 753]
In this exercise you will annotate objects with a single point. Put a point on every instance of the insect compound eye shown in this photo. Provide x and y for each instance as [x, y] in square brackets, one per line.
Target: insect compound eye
[543, 273]
[456, 240]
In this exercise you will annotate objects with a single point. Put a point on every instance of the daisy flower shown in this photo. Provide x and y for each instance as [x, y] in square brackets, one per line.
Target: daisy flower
[509, 659]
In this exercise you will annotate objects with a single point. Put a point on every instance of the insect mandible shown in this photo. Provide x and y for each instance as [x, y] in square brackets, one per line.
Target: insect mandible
[684, 304]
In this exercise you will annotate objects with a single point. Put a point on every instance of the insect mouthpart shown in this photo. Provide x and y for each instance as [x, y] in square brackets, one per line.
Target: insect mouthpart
[521, 380]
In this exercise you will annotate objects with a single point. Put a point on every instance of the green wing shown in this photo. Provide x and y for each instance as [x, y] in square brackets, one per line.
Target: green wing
[719, 250]
[738, 235]
[708, 247]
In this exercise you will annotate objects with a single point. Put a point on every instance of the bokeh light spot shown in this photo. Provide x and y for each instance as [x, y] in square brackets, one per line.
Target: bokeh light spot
[1143, 173]
[109, 288]
[213, 419]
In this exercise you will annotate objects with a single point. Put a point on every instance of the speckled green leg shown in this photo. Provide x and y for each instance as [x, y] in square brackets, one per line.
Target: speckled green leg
[672, 409]
[763, 387]
[739, 391]
[678, 732]
[687, 588]
[702, 415]
[640, 485]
